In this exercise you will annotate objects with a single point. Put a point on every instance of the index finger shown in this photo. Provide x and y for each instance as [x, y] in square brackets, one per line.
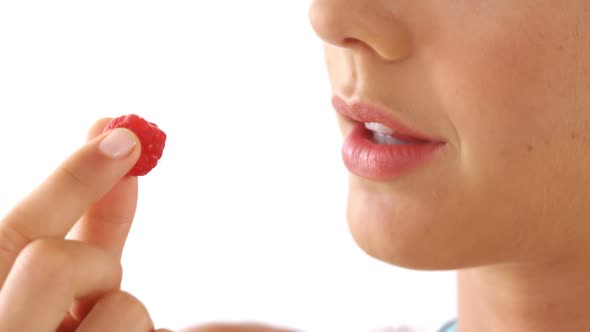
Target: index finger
[107, 222]
[58, 202]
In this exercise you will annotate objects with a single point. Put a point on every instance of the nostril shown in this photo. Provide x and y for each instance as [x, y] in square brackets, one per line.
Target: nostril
[352, 43]
[395, 49]
[360, 25]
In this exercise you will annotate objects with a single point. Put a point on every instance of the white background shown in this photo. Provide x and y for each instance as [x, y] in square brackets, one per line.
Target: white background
[244, 218]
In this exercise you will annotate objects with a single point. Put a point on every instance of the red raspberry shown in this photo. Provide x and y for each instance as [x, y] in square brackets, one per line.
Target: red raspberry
[152, 139]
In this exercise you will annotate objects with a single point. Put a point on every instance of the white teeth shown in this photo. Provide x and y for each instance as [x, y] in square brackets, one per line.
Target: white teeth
[379, 128]
[382, 134]
[387, 140]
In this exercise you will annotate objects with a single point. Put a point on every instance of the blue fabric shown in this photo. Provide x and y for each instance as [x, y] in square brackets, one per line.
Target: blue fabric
[449, 327]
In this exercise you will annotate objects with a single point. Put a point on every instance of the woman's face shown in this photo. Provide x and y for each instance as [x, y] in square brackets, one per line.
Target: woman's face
[499, 92]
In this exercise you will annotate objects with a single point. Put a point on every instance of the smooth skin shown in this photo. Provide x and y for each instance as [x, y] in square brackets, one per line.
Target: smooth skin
[50, 283]
[506, 85]
[60, 248]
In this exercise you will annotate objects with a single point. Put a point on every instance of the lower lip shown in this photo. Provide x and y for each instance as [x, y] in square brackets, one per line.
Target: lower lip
[381, 162]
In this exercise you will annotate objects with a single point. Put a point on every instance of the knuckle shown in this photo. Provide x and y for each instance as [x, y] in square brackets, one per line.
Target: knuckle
[71, 177]
[118, 266]
[49, 263]
[14, 236]
[129, 306]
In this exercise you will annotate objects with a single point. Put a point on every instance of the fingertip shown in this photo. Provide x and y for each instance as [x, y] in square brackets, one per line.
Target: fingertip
[119, 143]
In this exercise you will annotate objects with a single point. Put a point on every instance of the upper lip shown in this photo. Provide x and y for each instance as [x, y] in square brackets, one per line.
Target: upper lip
[366, 112]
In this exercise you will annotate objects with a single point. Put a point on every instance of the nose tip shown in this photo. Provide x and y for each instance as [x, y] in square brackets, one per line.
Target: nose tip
[358, 24]
[327, 25]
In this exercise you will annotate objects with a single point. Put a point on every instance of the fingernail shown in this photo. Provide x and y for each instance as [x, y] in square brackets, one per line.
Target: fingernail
[119, 143]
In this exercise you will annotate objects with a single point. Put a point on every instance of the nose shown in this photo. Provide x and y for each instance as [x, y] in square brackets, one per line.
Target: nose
[358, 24]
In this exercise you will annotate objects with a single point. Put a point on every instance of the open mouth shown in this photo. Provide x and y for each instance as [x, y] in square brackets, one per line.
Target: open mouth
[380, 148]
[381, 134]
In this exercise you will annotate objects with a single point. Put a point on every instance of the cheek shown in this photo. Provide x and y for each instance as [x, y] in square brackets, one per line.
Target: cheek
[518, 103]
[509, 92]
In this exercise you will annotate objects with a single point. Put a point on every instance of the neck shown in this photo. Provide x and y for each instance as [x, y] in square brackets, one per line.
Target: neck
[525, 298]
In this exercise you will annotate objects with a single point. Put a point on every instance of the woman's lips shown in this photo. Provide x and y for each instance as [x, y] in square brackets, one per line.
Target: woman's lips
[366, 158]
[365, 113]
[383, 162]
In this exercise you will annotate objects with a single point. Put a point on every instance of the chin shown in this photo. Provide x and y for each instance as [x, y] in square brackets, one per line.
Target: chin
[405, 252]
[398, 230]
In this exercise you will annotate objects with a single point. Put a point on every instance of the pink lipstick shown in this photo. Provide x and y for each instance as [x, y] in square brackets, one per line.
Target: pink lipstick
[379, 147]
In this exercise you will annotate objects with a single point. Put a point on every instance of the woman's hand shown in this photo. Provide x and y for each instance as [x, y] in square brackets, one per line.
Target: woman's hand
[48, 283]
